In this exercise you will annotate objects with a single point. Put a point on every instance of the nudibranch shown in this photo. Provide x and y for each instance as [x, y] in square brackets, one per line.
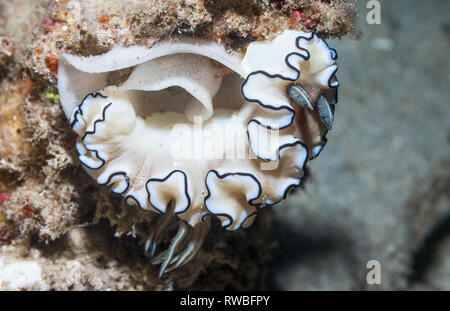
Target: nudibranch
[194, 130]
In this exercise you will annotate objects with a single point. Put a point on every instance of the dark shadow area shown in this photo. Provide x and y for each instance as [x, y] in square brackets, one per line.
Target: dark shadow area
[425, 256]
[295, 246]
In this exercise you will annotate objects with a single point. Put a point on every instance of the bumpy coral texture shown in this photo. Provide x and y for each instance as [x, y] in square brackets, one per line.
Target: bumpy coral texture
[87, 27]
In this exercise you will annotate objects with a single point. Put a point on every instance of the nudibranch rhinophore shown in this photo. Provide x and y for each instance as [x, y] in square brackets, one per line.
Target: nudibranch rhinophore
[195, 130]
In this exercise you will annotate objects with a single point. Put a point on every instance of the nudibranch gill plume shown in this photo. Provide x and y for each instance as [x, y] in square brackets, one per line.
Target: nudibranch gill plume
[195, 130]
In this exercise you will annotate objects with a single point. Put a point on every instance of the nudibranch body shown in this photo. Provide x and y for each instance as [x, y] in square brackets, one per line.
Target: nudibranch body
[196, 130]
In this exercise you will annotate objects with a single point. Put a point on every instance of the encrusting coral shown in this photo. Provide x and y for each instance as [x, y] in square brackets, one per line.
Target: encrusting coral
[92, 27]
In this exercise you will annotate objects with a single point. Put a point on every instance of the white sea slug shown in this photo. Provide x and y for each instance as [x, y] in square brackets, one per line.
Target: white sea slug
[183, 136]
